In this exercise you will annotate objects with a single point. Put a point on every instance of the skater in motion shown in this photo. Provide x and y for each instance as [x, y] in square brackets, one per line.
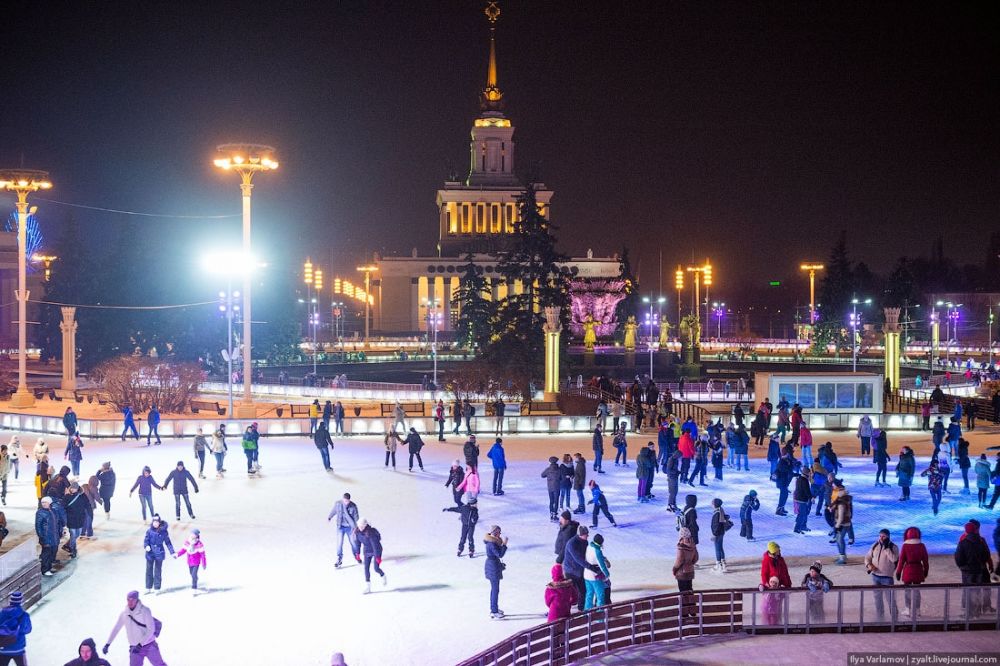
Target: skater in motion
[156, 543]
[128, 421]
[470, 516]
[346, 513]
[392, 441]
[496, 548]
[455, 477]
[145, 483]
[153, 423]
[251, 443]
[106, 481]
[414, 444]
[323, 442]
[200, 445]
[750, 504]
[180, 477]
[195, 551]
[370, 542]
[600, 503]
[141, 629]
[219, 449]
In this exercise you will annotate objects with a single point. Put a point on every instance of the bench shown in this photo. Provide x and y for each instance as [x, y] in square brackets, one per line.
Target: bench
[298, 410]
[410, 408]
[207, 405]
[62, 394]
[540, 408]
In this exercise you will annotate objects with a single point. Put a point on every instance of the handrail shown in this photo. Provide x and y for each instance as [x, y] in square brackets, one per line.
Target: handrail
[675, 616]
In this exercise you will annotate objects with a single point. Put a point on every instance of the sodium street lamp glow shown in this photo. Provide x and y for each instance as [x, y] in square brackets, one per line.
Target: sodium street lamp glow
[855, 320]
[811, 268]
[23, 182]
[246, 159]
[367, 270]
[653, 343]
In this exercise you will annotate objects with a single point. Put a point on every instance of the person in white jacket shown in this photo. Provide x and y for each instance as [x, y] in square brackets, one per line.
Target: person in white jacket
[140, 629]
[865, 435]
[41, 449]
[14, 449]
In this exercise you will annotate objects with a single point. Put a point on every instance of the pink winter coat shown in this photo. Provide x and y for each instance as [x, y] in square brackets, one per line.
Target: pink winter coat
[560, 595]
[470, 484]
[195, 553]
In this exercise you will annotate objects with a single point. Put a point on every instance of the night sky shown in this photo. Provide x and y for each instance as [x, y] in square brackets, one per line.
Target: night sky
[748, 132]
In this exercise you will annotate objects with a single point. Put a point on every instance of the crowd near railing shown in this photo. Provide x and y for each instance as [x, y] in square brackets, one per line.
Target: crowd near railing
[675, 616]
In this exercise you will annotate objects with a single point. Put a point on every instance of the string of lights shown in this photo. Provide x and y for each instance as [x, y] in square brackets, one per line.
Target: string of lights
[140, 214]
[124, 307]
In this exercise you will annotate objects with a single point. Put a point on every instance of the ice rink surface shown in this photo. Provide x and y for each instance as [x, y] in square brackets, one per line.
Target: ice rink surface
[272, 596]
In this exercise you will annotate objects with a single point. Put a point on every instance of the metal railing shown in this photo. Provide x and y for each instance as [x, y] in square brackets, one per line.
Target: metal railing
[680, 615]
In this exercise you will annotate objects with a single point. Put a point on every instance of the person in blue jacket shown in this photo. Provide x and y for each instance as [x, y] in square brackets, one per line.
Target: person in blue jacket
[498, 457]
[49, 532]
[153, 425]
[773, 452]
[74, 453]
[156, 544]
[496, 548]
[70, 422]
[954, 434]
[575, 561]
[15, 621]
[128, 419]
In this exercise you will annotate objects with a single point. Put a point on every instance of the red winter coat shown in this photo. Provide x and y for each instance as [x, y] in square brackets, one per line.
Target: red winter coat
[686, 446]
[560, 595]
[913, 564]
[774, 566]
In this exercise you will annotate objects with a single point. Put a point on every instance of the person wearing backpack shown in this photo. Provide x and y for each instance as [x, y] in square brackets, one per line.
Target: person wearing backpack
[15, 624]
[688, 517]
[720, 525]
[141, 629]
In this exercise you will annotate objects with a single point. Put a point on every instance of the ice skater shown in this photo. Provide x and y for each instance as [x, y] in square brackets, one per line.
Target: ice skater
[141, 629]
[323, 442]
[750, 504]
[498, 457]
[200, 445]
[392, 441]
[600, 503]
[414, 444]
[496, 548]
[74, 452]
[156, 543]
[553, 480]
[721, 524]
[620, 442]
[145, 483]
[106, 481]
[180, 477]
[128, 421]
[195, 551]
[219, 449]
[470, 516]
[346, 513]
[370, 543]
[153, 425]
[455, 477]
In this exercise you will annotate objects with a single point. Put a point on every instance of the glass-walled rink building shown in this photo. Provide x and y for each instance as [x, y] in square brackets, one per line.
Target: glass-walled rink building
[832, 400]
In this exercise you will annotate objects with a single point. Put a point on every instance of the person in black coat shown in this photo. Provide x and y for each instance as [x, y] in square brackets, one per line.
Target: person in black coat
[567, 530]
[180, 477]
[553, 478]
[783, 474]
[455, 477]
[327, 414]
[673, 468]
[598, 445]
[802, 496]
[579, 482]
[471, 452]
[77, 508]
[323, 442]
[370, 541]
[575, 561]
[689, 516]
[414, 444]
[470, 516]
[106, 478]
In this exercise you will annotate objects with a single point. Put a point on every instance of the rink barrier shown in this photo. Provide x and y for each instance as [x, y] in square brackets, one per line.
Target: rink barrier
[21, 570]
[299, 427]
[672, 617]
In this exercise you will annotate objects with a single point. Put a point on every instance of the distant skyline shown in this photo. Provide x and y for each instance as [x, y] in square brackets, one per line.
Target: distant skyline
[751, 134]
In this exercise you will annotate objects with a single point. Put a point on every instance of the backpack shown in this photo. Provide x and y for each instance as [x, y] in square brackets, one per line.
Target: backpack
[157, 625]
[10, 633]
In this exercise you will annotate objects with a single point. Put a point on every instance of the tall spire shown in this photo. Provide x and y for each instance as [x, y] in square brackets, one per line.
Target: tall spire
[491, 97]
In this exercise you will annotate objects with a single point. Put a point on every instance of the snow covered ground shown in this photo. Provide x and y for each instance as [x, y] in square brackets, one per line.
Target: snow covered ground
[273, 596]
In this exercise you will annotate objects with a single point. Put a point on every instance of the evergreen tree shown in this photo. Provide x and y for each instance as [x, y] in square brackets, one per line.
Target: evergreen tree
[475, 311]
[835, 292]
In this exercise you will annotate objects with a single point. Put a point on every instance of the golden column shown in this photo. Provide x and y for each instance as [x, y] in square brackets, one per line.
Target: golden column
[811, 268]
[892, 330]
[552, 329]
[22, 182]
[68, 326]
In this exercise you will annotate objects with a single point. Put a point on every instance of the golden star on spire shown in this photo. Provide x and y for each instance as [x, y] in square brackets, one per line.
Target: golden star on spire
[492, 12]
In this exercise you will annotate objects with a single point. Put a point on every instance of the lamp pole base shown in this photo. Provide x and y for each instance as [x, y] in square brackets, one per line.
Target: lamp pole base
[550, 396]
[246, 410]
[22, 399]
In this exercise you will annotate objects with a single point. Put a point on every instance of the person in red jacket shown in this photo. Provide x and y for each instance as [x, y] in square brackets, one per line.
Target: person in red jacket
[912, 569]
[773, 564]
[560, 595]
[686, 446]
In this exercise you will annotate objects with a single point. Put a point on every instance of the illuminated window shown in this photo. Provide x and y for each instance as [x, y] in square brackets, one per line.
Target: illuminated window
[511, 214]
[495, 221]
[481, 218]
[452, 218]
[466, 219]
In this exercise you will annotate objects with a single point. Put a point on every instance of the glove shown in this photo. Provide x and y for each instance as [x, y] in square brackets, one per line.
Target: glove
[378, 561]
[760, 587]
[195, 491]
[105, 648]
[147, 549]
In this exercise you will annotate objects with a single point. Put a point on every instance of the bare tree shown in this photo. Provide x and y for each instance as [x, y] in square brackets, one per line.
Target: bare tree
[141, 382]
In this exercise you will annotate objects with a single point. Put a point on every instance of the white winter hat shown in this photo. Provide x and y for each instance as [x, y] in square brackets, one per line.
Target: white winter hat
[362, 523]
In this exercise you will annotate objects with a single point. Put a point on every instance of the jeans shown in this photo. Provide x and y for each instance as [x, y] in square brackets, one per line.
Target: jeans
[598, 454]
[74, 534]
[866, 446]
[88, 524]
[820, 501]
[782, 496]
[621, 453]
[468, 425]
[130, 427]
[720, 552]
[494, 595]
[935, 500]
[996, 494]
[594, 596]
[388, 455]
[746, 529]
[370, 562]
[3, 490]
[420, 461]
[312, 424]
[468, 534]
[580, 504]
[553, 502]
[882, 595]
[47, 557]
[249, 454]
[219, 457]
[807, 456]
[153, 430]
[201, 462]
[718, 472]
[441, 430]
[746, 461]
[338, 424]
[880, 471]
[106, 501]
[194, 576]
[149, 651]
[146, 500]
[499, 430]
[700, 468]
[965, 477]
[16, 462]
[498, 480]
[911, 597]
[187, 503]
[324, 453]
[458, 424]
[602, 506]
[564, 496]
[154, 570]
[75, 466]
[348, 531]
[802, 517]
[842, 540]
[982, 496]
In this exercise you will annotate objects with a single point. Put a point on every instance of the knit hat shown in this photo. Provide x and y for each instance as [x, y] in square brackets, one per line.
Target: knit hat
[753, 493]
[817, 566]
[553, 459]
[773, 547]
[567, 515]
[146, 469]
[337, 659]
[457, 463]
[971, 528]
[494, 528]
[16, 597]
[180, 463]
[884, 531]
[46, 500]
[598, 539]
[74, 485]
[132, 595]
[362, 523]
[196, 532]
[582, 530]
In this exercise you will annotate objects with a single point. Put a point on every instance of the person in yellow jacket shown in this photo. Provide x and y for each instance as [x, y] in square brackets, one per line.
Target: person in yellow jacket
[314, 410]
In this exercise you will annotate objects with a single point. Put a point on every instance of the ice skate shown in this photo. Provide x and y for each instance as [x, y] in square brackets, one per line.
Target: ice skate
[368, 588]
[385, 580]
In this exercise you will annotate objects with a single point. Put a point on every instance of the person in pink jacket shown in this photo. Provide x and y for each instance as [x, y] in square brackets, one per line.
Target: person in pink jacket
[195, 550]
[560, 595]
[470, 484]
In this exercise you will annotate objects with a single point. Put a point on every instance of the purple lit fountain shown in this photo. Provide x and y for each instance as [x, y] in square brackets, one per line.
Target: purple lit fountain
[597, 298]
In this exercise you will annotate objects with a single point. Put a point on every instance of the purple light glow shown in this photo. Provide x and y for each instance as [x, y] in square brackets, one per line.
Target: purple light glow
[597, 298]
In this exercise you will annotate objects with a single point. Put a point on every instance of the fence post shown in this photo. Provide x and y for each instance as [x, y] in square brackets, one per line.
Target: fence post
[947, 603]
[840, 611]
[861, 613]
[753, 612]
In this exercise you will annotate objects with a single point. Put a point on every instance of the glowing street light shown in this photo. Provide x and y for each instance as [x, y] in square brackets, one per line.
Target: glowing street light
[434, 319]
[246, 159]
[23, 182]
[702, 276]
[719, 309]
[679, 286]
[653, 342]
[367, 269]
[855, 320]
[812, 268]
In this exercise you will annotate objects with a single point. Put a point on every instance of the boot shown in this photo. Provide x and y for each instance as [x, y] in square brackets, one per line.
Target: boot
[368, 588]
[723, 566]
[472, 553]
[385, 581]
[718, 567]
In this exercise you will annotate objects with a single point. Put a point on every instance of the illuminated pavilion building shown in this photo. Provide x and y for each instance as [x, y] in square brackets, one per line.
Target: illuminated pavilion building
[476, 215]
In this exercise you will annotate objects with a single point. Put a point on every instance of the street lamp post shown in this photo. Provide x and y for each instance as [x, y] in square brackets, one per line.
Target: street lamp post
[720, 312]
[653, 343]
[989, 336]
[855, 320]
[229, 264]
[246, 159]
[935, 337]
[434, 318]
[679, 286]
[337, 309]
[702, 276]
[367, 270]
[230, 305]
[812, 268]
[23, 182]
